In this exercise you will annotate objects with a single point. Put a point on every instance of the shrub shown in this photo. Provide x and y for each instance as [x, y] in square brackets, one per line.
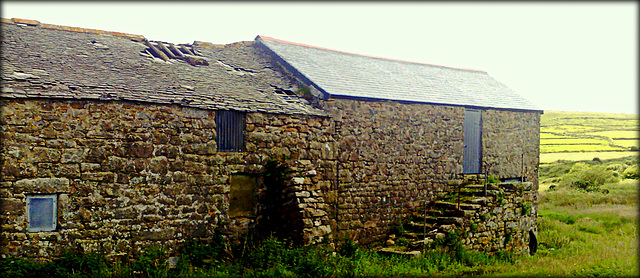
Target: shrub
[79, 262]
[492, 179]
[587, 177]
[21, 267]
[200, 254]
[152, 263]
[526, 208]
[348, 249]
[397, 229]
[267, 253]
[631, 172]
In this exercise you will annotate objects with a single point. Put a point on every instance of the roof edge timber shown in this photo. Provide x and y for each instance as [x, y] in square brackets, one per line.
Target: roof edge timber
[30, 22]
[362, 55]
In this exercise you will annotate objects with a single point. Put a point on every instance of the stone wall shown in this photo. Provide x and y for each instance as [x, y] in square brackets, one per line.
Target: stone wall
[132, 175]
[395, 157]
[511, 144]
[505, 219]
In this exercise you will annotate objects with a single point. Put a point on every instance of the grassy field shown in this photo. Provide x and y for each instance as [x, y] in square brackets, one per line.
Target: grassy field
[574, 132]
[577, 156]
[579, 136]
[584, 234]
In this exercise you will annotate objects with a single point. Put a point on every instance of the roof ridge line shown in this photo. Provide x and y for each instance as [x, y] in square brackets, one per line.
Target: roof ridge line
[31, 22]
[362, 55]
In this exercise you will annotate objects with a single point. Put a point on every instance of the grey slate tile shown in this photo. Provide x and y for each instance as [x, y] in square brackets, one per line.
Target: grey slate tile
[87, 62]
[351, 75]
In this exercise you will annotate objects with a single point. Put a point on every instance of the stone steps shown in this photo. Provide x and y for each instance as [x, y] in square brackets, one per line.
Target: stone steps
[454, 206]
[441, 217]
[444, 216]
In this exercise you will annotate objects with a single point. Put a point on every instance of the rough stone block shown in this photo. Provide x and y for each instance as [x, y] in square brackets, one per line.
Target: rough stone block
[42, 185]
[73, 155]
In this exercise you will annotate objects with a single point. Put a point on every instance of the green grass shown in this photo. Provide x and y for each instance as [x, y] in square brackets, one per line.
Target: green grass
[546, 158]
[547, 135]
[585, 234]
[580, 234]
[577, 148]
[627, 143]
[575, 141]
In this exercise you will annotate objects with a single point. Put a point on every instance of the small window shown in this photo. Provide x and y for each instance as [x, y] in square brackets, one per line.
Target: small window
[42, 213]
[230, 130]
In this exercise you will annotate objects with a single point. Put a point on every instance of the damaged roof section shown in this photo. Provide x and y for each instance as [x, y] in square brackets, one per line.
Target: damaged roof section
[167, 51]
[40, 61]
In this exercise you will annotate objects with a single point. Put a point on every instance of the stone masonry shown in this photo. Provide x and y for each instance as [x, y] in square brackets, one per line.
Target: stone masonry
[132, 175]
[127, 142]
[396, 157]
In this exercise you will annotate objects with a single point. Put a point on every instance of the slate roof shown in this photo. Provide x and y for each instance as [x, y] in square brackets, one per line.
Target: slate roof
[340, 74]
[51, 61]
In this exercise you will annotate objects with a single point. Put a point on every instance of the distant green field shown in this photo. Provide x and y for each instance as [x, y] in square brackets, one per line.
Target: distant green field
[547, 135]
[577, 156]
[576, 148]
[575, 141]
[616, 134]
[627, 143]
[577, 132]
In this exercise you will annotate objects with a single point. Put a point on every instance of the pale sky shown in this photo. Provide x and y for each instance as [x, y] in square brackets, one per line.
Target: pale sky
[570, 56]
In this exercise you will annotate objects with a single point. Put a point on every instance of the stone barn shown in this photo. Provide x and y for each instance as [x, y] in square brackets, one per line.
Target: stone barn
[111, 142]
[411, 134]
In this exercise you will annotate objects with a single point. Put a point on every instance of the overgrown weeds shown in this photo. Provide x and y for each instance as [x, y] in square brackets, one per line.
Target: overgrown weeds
[580, 233]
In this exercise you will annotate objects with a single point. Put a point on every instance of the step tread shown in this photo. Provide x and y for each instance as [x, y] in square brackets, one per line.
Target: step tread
[463, 206]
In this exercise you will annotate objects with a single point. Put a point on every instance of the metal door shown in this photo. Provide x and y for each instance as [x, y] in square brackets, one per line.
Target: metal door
[472, 155]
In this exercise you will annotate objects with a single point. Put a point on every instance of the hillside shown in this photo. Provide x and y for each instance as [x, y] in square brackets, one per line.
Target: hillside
[585, 135]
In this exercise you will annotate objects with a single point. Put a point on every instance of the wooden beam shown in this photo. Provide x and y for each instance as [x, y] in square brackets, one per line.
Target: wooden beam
[155, 51]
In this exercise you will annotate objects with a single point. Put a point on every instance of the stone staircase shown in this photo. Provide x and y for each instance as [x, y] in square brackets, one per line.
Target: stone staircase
[438, 218]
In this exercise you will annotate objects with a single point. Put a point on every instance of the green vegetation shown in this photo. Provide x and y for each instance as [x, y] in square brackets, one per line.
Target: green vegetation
[582, 232]
[587, 227]
[596, 171]
[556, 157]
[582, 132]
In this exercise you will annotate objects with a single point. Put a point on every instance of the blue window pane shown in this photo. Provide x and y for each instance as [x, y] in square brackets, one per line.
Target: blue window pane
[42, 213]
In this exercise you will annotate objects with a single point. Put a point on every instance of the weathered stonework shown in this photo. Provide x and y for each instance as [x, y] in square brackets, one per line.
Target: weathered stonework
[511, 144]
[393, 157]
[128, 143]
[396, 157]
[131, 175]
[504, 219]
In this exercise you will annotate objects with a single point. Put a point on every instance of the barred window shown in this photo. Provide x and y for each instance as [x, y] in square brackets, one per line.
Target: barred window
[230, 131]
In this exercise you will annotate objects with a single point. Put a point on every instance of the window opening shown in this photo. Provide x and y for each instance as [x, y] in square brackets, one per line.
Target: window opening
[230, 131]
[42, 212]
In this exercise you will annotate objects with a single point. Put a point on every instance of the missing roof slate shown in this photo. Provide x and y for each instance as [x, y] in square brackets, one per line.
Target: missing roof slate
[168, 51]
